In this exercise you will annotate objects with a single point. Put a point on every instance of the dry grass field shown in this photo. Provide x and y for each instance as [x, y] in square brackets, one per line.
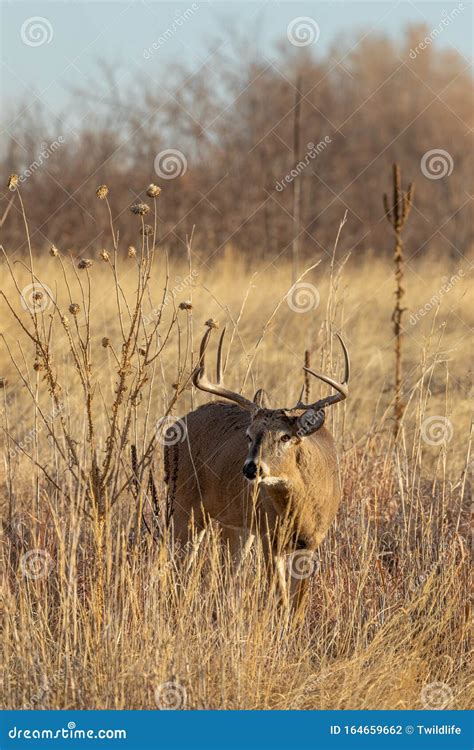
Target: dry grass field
[98, 614]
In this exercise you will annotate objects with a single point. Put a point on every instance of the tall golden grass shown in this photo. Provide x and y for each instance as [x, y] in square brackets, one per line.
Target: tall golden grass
[101, 614]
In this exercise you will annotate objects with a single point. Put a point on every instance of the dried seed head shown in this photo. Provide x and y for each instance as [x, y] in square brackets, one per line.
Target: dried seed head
[13, 181]
[211, 323]
[53, 250]
[185, 305]
[153, 191]
[37, 296]
[74, 308]
[131, 251]
[147, 230]
[85, 263]
[104, 255]
[105, 342]
[3, 383]
[65, 321]
[38, 366]
[142, 351]
[140, 209]
[102, 192]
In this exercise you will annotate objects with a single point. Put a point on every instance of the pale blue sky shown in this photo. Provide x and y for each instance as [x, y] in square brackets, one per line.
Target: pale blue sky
[82, 31]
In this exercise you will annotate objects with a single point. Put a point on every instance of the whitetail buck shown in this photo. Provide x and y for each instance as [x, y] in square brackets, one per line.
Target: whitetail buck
[257, 470]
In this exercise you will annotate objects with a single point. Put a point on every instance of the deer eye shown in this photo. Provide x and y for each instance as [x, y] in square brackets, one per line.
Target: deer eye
[285, 438]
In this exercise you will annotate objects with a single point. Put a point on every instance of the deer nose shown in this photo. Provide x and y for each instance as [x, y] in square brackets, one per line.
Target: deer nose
[250, 470]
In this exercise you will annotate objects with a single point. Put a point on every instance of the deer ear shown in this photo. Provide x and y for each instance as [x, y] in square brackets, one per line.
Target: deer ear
[261, 399]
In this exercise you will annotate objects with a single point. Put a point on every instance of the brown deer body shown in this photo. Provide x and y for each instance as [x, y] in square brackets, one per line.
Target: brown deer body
[256, 470]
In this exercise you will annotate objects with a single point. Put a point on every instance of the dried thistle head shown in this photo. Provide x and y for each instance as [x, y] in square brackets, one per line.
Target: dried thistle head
[105, 342]
[74, 308]
[37, 365]
[53, 250]
[102, 192]
[85, 263]
[140, 209]
[211, 323]
[185, 305]
[131, 252]
[147, 230]
[37, 296]
[153, 190]
[13, 181]
[104, 255]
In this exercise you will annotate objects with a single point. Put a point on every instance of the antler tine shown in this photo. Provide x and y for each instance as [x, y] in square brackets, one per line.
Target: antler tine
[342, 387]
[219, 357]
[202, 382]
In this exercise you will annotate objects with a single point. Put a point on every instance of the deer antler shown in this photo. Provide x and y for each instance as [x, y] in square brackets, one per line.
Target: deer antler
[341, 388]
[201, 381]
